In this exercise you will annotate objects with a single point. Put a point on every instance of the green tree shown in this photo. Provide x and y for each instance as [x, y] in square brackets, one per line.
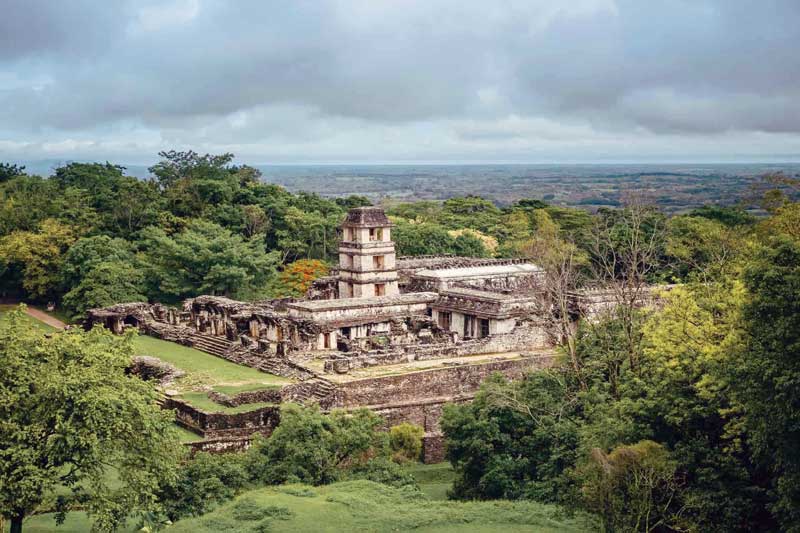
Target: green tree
[701, 247]
[40, 255]
[10, 170]
[69, 416]
[731, 216]
[767, 371]
[87, 252]
[311, 447]
[206, 258]
[470, 212]
[24, 202]
[204, 482]
[406, 441]
[515, 440]
[107, 283]
[633, 488]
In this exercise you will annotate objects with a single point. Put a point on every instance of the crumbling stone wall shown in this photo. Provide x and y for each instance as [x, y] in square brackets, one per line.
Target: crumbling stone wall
[243, 398]
[214, 425]
[152, 368]
[428, 385]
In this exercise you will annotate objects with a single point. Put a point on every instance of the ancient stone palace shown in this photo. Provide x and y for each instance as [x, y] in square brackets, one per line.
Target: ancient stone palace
[402, 336]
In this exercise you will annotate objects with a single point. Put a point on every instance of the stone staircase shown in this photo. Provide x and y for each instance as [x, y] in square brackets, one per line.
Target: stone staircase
[317, 390]
[230, 351]
[214, 345]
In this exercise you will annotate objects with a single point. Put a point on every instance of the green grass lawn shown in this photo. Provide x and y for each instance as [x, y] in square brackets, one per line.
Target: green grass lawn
[4, 310]
[76, 522]
[187, 436]
[368, 506]
[201, 400]
[434, 480]
[205, 370]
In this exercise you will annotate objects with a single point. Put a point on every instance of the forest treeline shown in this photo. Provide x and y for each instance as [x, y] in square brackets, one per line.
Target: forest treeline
[89, 235]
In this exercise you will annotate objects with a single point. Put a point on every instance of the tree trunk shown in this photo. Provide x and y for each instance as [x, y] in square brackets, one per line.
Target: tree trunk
[16, 524]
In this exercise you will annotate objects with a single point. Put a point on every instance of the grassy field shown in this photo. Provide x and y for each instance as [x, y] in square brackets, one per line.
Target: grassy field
[368, 506]
[76, 522]
[433, 480]
[205, 370]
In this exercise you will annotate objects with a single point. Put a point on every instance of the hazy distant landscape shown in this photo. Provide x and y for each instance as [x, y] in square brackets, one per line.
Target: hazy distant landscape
[674, 187]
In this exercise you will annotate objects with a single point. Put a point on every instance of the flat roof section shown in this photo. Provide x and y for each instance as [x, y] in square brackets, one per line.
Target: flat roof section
[479, 272]
[357, 303]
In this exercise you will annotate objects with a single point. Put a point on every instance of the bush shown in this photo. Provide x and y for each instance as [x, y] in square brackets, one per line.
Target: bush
[405, 441]
[203, 483]
[247, 510]
[315, 448]
[633, 488]
[382, 470]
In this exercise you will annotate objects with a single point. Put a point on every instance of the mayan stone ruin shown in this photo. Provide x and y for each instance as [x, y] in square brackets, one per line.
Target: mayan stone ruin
[401, 336]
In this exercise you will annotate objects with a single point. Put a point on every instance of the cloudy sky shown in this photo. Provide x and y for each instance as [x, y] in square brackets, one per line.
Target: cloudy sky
[401, 81]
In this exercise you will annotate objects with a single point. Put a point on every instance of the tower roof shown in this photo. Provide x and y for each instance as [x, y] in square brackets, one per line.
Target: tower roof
[367, 217]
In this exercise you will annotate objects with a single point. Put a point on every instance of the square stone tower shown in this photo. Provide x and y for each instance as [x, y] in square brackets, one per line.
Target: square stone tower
[366, 255]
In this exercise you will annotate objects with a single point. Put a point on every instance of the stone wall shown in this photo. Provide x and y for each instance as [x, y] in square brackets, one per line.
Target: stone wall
[441, 384]
[216, 425]
[527, 335]
[258, 396]
[220, 445]
[419, 397]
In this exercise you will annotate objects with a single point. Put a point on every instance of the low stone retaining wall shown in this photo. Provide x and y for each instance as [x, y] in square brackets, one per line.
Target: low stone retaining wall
[448, 382]
[419, 397]
[220, 445]
[218, 425]
[243, 398]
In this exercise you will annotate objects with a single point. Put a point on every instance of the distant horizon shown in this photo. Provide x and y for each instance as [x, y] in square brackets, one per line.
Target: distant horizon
[431, 163]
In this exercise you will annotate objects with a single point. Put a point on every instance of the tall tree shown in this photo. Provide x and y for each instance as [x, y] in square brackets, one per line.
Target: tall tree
[9, 170]
[69, 414]
[562, 263]
[767, 374]
[206, 258]
[626, 247]
[40, 254]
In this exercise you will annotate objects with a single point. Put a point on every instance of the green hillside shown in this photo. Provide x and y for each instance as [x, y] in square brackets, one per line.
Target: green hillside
[368, 506]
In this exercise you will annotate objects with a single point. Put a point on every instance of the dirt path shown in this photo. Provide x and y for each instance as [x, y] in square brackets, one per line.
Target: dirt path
[44, 317]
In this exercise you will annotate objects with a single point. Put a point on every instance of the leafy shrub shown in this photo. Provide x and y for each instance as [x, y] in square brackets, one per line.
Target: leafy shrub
[633, 488]
[203, 483]
[248, 510]
[405, 441]
[315, 448]
[382, 470]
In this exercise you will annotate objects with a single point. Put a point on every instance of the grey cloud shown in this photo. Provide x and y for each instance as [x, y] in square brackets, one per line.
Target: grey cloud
[240, 73]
